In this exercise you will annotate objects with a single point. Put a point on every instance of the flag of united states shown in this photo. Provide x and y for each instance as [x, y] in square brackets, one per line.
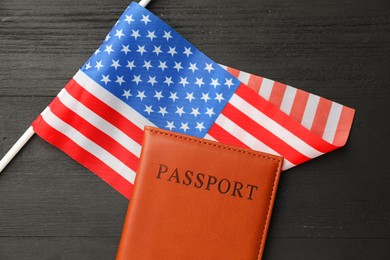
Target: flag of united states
[145, 73]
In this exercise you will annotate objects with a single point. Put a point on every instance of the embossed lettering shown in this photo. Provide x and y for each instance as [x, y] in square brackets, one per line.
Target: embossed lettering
[162, 169]
[188, 174]
[227, 187]
[207, 182]
[251, 190]
[238, 189]
[200, 180]
[211, 181]
[175, 175]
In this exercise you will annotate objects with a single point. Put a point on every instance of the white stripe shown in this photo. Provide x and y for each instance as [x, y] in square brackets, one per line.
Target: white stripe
[209, 137]
[248, 139]
[245, 137]
[266, 88]
[244, 77]
[333, 121]
[272, 126]
[91, 147]
[100, 123]
[223, 66]
[310, 111]
[111, 100]
[288, 99]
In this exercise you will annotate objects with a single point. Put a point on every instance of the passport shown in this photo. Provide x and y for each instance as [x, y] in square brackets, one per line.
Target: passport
[198, 199]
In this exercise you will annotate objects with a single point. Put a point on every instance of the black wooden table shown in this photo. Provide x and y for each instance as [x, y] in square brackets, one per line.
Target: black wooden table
[333, 207]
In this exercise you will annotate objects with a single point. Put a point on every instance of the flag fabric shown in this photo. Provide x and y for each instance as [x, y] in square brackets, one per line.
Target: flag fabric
[145, 73]
[322, 124]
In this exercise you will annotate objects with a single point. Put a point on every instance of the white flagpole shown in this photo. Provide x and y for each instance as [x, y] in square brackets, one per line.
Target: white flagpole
[30, 131]
[16, 147]
[144, 3]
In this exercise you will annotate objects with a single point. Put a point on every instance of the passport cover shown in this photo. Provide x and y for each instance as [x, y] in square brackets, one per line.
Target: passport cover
[198, 199]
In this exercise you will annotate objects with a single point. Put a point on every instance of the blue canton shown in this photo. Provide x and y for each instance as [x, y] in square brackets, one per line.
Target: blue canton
[157, 72]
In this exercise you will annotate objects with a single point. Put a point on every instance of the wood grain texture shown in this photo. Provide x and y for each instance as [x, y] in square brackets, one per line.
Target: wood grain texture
[334, 207]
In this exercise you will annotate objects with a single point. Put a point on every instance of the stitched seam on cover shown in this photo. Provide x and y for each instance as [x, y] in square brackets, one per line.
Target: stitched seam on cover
[215, 145]
[236, 150]
[269, 209]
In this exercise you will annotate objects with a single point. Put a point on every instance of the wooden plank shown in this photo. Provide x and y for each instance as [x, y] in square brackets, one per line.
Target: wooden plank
[37, 248]
[312, 249]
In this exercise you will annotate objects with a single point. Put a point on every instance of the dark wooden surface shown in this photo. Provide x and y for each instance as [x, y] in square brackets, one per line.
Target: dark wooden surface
[334, 207]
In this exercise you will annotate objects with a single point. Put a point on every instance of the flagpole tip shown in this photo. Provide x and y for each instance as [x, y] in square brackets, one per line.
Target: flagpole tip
[144, 3]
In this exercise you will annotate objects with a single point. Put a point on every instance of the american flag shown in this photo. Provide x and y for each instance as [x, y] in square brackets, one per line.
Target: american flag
[145, 73]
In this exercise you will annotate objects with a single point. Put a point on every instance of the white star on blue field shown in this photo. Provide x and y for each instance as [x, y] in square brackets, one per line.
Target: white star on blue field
[157, 72]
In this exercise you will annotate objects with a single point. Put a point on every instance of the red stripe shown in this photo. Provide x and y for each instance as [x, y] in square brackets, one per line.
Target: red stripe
[82, 156]
[299, 105]
[222, 136]
[95, 135]
[284, 120]
[265, 136]
[234, 72]
[255, 82]
[277, 94]
[104, 111]
[344, 126]
[321, 116]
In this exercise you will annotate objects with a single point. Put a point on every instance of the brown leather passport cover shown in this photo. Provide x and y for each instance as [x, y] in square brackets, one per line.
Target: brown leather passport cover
[198, 199]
